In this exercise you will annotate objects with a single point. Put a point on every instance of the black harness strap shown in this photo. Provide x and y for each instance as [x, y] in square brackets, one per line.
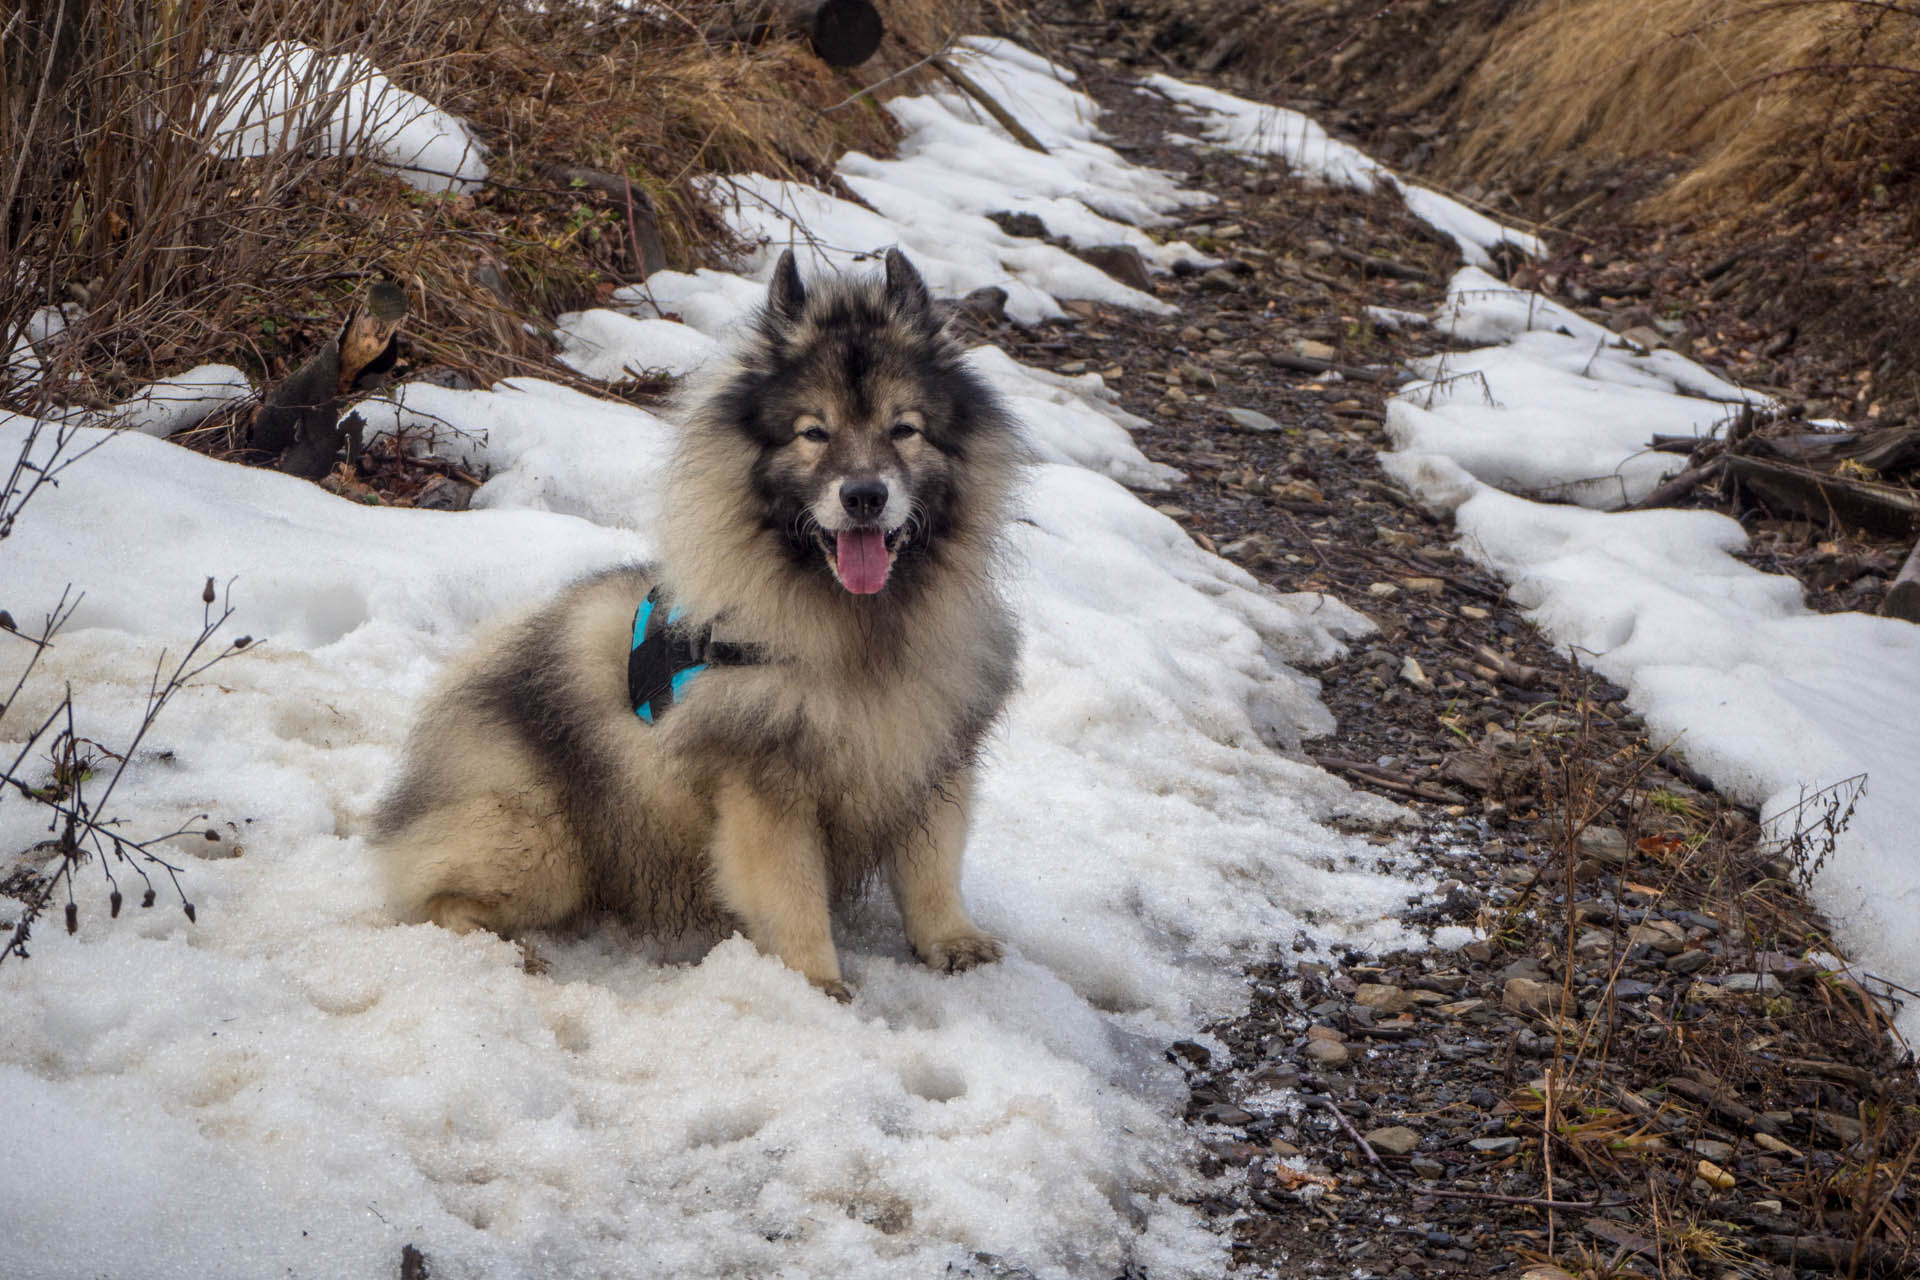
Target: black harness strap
[667, 654]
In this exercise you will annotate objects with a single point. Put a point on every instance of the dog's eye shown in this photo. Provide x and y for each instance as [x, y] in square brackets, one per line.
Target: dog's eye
[816, 434]
[901, 430]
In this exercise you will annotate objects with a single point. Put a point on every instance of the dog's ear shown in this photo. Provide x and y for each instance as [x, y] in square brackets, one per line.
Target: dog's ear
[906, 291]
[786, 297]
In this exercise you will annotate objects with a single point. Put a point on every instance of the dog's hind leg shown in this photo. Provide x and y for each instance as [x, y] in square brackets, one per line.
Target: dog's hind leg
[925, 878]
[489, 866]
[770, 869]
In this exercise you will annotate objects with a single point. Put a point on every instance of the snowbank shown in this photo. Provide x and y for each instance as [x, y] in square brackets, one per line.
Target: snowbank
[290, 93]
[1771, 701]
[1256, 129]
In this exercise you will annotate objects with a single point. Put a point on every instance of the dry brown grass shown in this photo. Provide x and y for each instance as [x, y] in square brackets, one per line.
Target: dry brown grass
[113, 203]
[1761, 98]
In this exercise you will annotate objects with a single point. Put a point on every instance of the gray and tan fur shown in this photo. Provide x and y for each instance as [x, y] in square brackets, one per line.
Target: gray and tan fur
[532, 793]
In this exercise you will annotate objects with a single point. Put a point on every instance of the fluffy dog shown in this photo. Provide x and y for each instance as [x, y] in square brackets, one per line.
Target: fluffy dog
[789, 705]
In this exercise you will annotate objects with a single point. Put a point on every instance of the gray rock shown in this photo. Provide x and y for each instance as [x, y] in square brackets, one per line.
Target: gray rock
[1252, 420]
[1226, 1113]
[1707, 1149]
[987, 305]
[1327, 1053]
[1197, 375]
[1426, 1166]
[1496, 1146]
[1764, 983]
[1020, 224]
[1605, 844]
[1843, 1129]
[1121, 261]
[1689, 961]
[1218, 280]
[1255, 550]
[1395, 1140]
[1525, 967]
[444, 493]
[1525, 995]
[1593, 942]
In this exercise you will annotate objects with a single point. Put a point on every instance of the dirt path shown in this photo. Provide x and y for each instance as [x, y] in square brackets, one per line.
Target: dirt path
[1634, 1073]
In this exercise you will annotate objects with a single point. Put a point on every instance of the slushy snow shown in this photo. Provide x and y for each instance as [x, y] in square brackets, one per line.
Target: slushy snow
[296, 1085]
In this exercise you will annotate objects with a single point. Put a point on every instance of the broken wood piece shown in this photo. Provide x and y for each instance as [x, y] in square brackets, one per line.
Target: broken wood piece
[1383, 266]
[1390, 780]
[1884, 449]
[1861, 504]
[1671, 491]
[965, 83]
[1903, 597]
[1512, 672]
[299, 420]
[367, 337]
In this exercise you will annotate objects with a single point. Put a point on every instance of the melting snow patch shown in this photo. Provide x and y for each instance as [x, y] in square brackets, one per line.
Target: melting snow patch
[1769, 700]
[1255, 129]
[290, 92]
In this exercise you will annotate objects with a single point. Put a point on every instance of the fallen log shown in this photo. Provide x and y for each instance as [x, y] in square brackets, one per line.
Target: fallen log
[842, 33]
[1861, 504]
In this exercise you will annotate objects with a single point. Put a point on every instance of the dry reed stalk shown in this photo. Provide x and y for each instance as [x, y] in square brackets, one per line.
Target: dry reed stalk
[1756, 94]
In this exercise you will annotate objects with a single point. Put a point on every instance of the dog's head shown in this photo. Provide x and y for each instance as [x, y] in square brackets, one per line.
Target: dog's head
[874, 448]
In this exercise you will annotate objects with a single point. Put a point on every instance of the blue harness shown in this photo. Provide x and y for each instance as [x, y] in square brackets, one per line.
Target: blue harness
[668, 654]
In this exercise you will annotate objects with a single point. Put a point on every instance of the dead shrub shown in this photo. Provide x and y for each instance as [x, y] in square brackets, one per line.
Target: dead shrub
[1761, 99]
[118, 207]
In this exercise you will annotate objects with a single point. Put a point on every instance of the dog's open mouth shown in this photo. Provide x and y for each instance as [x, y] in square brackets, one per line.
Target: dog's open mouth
[862, 558]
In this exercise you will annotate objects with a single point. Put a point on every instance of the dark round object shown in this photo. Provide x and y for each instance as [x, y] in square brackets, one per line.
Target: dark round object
[846, 32]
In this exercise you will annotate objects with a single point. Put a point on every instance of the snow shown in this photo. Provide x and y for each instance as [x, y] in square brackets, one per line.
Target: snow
[1135, 837]
[290, 93]
[955, 166]
[295, 1084]
[611, 346]
[1771, 701]
[957, 156]
[1256, 129]
[186, 399]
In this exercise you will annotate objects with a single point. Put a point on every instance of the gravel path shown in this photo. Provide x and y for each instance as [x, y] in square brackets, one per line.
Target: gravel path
[1636, 1070]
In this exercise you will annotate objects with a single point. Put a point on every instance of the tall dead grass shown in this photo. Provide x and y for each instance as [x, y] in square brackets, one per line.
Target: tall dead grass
[1762, 100]
[117, 206]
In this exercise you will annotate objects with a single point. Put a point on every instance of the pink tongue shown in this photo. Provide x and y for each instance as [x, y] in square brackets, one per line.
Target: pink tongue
[862, 560]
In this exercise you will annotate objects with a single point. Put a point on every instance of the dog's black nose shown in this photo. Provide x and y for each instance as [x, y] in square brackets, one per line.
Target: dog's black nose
[864, 499]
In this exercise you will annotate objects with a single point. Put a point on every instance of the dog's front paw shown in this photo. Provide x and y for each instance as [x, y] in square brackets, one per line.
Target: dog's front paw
[962, 951]
[835, 988]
